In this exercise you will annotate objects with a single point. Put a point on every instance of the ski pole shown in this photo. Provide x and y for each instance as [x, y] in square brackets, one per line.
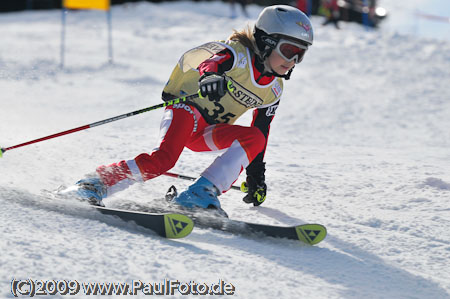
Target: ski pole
[105, 121]
[189, 178]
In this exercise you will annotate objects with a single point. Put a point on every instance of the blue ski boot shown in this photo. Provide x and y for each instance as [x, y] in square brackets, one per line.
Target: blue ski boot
[202, 194]
[90, 189]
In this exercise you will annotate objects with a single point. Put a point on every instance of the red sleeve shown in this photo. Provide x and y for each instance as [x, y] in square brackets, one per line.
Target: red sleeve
[219, 63]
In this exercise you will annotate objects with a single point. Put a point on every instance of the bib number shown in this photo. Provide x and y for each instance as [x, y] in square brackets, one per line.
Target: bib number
[217, 111]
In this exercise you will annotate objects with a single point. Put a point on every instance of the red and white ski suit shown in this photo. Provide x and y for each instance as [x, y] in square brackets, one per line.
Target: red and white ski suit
[193, 126]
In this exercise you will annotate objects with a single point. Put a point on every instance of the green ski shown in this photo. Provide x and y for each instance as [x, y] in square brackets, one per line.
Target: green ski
[168, 225]
[310, 234]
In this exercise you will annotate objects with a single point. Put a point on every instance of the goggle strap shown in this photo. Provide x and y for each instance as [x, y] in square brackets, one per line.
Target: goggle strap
[270, 41]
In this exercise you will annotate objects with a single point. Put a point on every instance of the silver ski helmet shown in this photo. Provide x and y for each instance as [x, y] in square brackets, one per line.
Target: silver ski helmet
[281, 21]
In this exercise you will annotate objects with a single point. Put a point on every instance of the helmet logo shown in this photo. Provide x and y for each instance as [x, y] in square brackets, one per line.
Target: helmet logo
[304, 26]
[270, 41]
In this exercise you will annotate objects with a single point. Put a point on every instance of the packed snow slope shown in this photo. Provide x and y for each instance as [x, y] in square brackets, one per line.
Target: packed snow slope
[360, 143]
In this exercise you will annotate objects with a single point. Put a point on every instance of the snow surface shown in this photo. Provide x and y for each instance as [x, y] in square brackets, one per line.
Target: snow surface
[360, 143]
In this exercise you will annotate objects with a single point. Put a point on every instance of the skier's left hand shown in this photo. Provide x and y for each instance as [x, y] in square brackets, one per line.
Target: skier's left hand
[256, 190]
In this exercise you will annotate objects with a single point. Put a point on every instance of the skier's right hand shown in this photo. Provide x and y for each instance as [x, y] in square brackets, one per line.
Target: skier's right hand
[212, 85]
[256, 190]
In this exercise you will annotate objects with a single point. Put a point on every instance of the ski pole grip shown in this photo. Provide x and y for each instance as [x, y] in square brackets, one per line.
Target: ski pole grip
[1, 152]
[244, 187]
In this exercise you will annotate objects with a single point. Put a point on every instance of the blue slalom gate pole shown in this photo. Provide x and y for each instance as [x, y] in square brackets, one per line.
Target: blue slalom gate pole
[365, 14]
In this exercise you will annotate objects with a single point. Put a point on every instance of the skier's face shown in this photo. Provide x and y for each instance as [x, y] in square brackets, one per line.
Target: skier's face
[278, 64]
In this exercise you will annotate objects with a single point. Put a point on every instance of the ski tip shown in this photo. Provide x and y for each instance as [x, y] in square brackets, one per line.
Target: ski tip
[311, 233]
[177, 226]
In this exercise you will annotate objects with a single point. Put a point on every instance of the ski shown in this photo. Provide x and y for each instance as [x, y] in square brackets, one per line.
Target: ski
[168, 225]
[310, 234]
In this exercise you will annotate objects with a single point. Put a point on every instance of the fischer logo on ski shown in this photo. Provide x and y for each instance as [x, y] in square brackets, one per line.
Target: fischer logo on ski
[311, 233]
[177, 226]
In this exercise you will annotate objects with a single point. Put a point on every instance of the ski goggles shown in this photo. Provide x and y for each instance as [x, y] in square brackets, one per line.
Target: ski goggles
[289, 50]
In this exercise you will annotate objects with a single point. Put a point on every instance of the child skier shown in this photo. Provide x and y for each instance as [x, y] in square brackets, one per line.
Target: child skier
[242, 73]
